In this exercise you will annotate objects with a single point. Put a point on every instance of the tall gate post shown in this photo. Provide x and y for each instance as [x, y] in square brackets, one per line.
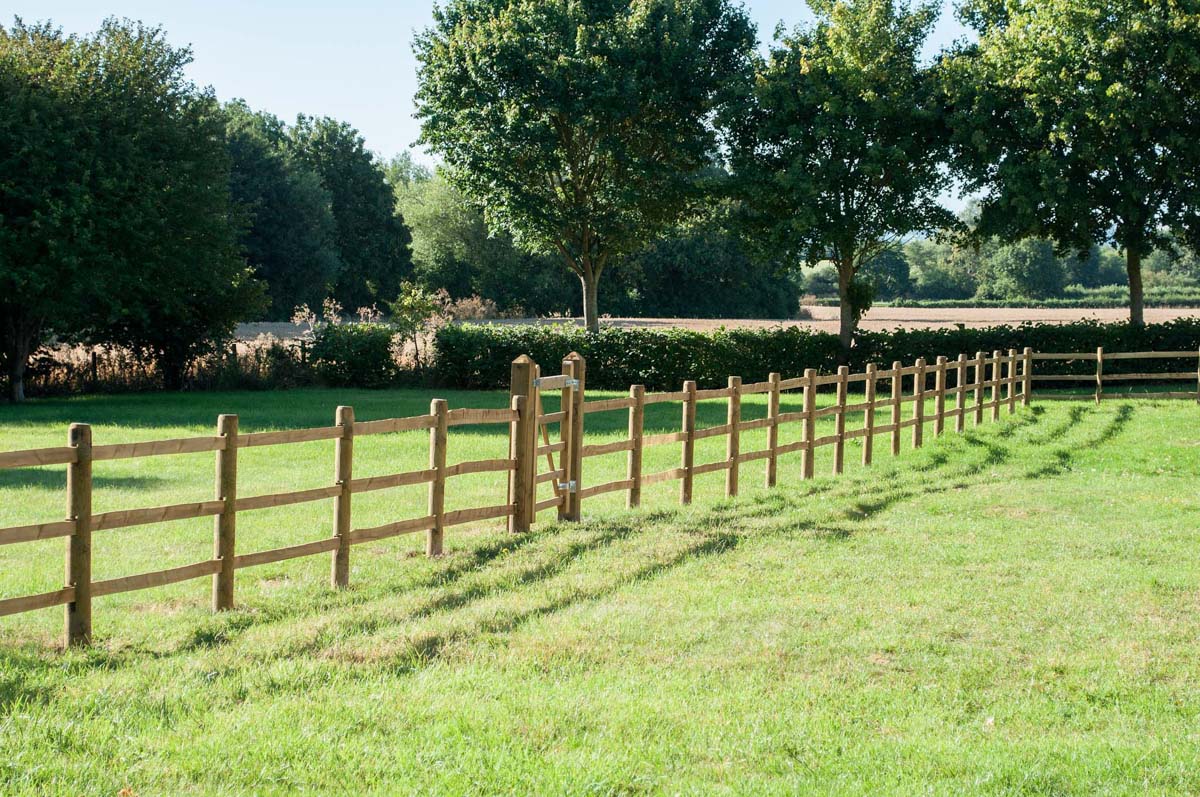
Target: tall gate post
[522, 445]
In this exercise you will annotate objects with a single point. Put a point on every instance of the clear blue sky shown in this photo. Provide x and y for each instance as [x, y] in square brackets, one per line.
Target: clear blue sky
[350, 60]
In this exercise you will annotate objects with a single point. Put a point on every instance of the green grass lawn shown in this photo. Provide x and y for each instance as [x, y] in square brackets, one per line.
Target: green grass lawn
[1013, 610]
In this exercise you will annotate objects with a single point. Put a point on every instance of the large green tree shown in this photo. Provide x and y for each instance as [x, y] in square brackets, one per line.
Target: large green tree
[579, 126]
[43, 201]
[290, 236]
[372, 240]
[114, 192]
[838, 145]
[1078, 121]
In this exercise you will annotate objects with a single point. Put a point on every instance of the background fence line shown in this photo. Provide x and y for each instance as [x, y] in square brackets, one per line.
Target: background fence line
[1007, 377]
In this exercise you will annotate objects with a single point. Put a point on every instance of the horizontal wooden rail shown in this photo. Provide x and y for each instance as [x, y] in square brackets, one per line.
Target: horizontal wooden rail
[460, 516]
[663, 439]
[549, 503]
[186, 445]
[44, 600]
[391, 529]
[480, 466]
[36, 457]
[368, 484]
[157, 578]
[393, 425]
[712, 431]
[552, 417]
[283, 554]
[659, 398]
[289, 436]
[124, 518]
[478, 417]
[37, 531]
[607, 404]
[663, 476]
[286, 499]
[608, 487]
[599, 449]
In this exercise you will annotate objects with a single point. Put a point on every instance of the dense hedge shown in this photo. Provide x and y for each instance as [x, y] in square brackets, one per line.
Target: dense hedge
[479, 356]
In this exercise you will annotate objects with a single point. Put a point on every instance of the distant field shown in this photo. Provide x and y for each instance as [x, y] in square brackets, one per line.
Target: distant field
[826, 319]
[1014, 610]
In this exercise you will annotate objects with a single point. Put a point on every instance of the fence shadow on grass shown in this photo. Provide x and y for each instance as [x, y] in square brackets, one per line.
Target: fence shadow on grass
[827, 510]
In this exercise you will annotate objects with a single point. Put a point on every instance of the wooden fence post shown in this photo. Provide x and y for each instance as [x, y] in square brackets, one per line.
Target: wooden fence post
[522, 443]
[839, 447]
[688, 456]
[869, 413]
[343, 470]
[78, 620]
[225, 524]
[733, 446]
[939, 400]
[637, 416]
[1011, 382]
[810, 423]
[960, 394]
[773, 429]
[980, 378]
[996, 376]
[1026, 376]
[1099, 373]
[578, 396]
[437, 463]
[897, 399]
[918, 432]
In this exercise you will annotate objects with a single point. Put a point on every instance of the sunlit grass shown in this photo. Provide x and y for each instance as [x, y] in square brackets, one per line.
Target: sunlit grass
[1011, 610]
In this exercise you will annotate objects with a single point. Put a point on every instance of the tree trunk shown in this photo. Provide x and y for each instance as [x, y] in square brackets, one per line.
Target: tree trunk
[846, 310]
[19, 347]
[591, 315]
[16, 379]
[1137, 299]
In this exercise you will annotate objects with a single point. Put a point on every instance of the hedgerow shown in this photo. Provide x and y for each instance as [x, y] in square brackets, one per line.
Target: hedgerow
[478, 356]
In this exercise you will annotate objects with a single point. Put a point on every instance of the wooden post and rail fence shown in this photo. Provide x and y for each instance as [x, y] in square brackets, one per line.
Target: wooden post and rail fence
[1004, 378]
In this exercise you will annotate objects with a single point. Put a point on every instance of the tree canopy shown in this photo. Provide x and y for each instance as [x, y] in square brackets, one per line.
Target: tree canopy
[837, 146]
[1078, 121]
[579, 126]
[114, 189]
[372, 240]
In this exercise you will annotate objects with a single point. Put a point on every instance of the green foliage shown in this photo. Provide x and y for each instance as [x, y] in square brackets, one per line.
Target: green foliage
[355, 355]
[579, 127]
[889, 273]
[1077, 119]
[290, 236]
[129, 237]
[478, 356]
[700, 273]
[452, 250]
[1026, 269]
[372, 241]
[837, 147]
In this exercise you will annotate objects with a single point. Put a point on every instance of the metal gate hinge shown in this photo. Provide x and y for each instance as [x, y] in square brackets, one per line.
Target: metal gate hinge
[568, 486]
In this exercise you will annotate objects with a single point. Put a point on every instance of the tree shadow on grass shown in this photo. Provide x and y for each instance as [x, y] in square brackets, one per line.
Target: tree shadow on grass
[43, 479]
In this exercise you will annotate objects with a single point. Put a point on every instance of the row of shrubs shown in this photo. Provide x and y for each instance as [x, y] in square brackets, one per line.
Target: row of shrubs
[478, 356]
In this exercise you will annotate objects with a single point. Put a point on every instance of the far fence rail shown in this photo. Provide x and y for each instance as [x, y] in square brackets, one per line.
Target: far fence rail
[974, 386]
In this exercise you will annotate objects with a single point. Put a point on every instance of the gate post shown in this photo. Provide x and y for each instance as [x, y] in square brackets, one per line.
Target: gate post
[522, 445]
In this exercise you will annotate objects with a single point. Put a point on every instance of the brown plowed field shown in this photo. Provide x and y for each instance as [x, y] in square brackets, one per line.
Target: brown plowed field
[826, 319]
